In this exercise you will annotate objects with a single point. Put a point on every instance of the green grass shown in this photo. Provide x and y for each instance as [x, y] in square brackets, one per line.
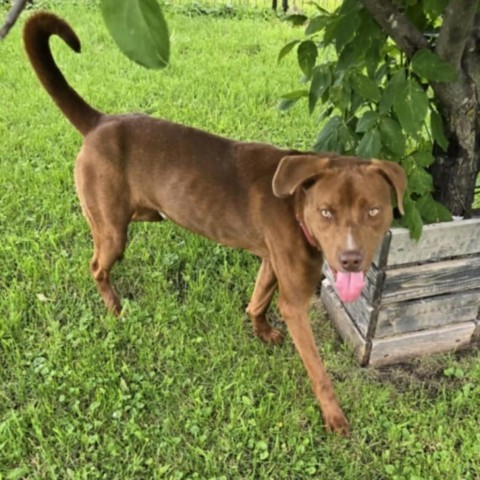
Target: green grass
[179, 388]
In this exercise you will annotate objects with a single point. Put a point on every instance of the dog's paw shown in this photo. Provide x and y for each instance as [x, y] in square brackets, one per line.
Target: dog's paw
[336, 422]
[271, 336]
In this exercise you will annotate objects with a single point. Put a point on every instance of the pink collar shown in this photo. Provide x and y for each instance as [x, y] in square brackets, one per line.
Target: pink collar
[307, 234]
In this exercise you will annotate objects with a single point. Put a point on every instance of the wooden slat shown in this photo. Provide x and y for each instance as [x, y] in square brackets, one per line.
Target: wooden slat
[343, 323]
[441, 240]
[428, 342]
[427, 313]
[361, 312]
[380, 257]
[476, 334]
[431, 279]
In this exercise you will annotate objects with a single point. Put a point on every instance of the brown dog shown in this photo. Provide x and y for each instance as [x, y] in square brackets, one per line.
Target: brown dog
[285, 207]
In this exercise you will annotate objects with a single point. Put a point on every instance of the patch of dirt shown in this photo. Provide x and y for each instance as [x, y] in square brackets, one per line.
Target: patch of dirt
[427, 374]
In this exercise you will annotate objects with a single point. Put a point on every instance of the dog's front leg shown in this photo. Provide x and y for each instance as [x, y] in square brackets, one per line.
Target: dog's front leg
[296, 287]
[300, 330]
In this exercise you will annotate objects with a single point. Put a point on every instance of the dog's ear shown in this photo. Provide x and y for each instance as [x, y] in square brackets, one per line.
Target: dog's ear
[395, 175]
[294, 170]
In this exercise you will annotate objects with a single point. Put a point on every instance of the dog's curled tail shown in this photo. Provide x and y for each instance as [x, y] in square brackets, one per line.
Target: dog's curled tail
[36, 34]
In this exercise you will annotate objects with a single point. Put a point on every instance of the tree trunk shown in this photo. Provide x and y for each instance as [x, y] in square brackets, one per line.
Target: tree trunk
[455, 171]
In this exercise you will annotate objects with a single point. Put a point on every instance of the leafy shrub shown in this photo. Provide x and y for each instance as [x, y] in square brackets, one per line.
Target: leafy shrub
[376, 102]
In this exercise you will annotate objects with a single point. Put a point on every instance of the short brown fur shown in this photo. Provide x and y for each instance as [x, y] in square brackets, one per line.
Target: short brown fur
[247, 195]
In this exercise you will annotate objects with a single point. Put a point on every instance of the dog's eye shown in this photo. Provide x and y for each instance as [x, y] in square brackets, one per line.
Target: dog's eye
[326, 213]
[373, 212]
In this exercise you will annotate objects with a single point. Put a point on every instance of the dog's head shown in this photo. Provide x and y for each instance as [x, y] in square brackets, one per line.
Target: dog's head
[344, 205]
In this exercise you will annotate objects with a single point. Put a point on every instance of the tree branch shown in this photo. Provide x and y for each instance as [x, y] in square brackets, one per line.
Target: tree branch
[12, 17]
[458, 22]
[395, 24]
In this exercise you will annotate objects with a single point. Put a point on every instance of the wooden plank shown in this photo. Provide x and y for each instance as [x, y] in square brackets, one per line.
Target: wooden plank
[380, 258]
[343, 323]
[427, 313]
[476, 334]
[361, 312]
[441, 240]
[431, 279]
[428, 342]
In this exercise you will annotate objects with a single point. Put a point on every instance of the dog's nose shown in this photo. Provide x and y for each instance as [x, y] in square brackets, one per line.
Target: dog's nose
[351, 260]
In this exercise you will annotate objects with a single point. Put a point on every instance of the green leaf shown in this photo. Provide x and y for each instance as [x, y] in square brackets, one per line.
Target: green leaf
[352, 56]
[423, 158]
[436, 125]
[307, 55]
[139, 29]
[348, 140]
[339, 95]
[286, 104]
[420, 181]
[295, 95]
[325, 114]
[320, 8]
[431, 211]
[411, 106]
[291, 98]
[349, 6]
[430, 66]
[392, 136]
[345, 29]
[370, 145]
[373, 59]
[396, 84]
[366, 122]
[329, 138]
[316, 24]
[366, 87]
[417, 16]
[412, 218]
[286, 49]
[435, 8]
[321, 81]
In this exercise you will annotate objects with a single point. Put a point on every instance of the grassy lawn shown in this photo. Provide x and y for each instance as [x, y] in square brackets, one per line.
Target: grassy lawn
[179, 388]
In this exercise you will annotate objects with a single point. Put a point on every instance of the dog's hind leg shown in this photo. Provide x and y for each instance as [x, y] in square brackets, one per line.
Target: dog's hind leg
[106, 204]
[265, 287]
[109, 245]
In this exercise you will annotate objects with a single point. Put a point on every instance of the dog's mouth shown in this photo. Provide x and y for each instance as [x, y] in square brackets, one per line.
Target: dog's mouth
[349, 285]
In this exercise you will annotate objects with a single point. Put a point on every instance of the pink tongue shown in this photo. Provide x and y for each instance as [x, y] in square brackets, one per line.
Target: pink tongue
[349, 285]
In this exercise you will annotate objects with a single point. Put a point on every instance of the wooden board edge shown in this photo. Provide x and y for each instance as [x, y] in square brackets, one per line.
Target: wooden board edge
[343, 324]
[476, 333]
[437, 311]
[432, 279]
[396, 349]
[404, 250]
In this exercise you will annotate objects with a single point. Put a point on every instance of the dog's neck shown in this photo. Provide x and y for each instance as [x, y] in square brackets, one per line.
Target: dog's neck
[299, 205]
[307, 234]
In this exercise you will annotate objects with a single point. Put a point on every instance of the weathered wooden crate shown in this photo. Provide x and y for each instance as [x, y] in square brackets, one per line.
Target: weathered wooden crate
[421, 297]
